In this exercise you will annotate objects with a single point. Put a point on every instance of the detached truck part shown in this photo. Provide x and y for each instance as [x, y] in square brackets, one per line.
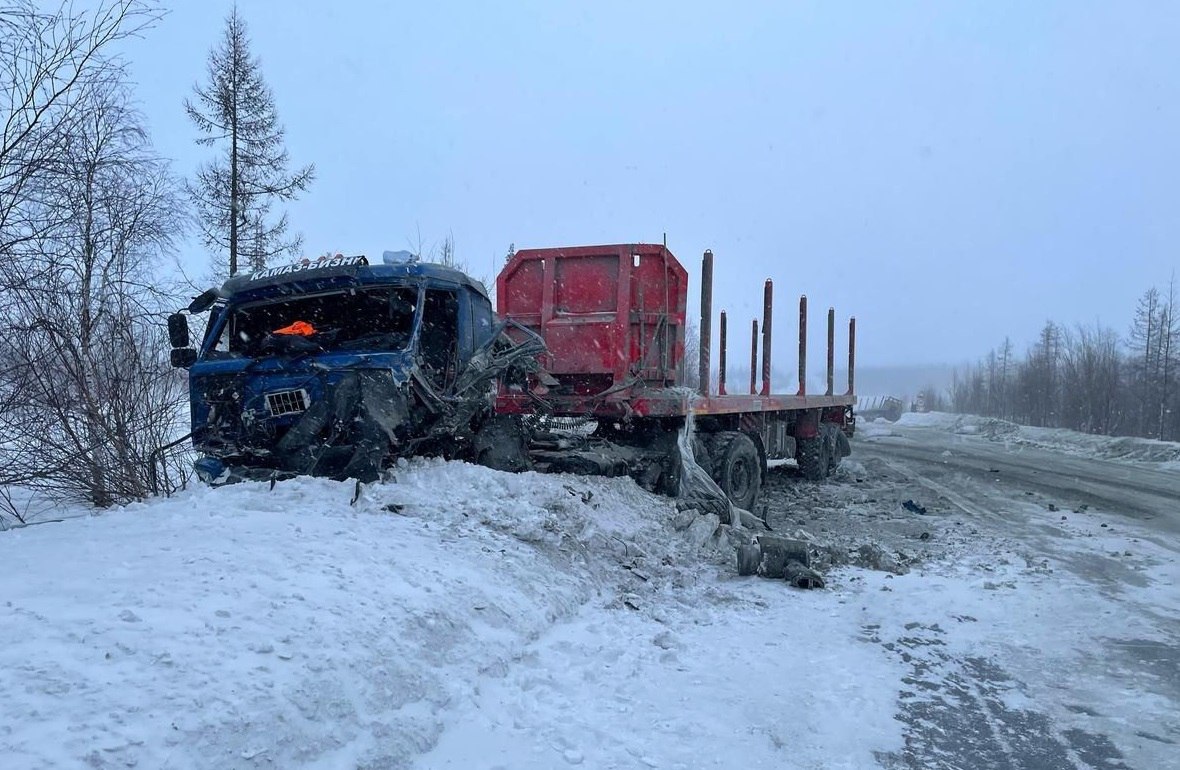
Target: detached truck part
[613, 319]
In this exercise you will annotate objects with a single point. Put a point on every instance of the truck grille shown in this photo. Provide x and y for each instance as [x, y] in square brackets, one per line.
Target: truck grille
[287, 402]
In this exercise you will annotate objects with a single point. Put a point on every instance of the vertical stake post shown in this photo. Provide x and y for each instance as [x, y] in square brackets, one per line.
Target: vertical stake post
[706, 319]
[831, 349]
[851, 355]
[767, 321]
[754, 356]
[721, 357]
[803, 345]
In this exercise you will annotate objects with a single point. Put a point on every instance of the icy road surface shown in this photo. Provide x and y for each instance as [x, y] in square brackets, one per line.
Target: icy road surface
[463, 618]
[1066, 652]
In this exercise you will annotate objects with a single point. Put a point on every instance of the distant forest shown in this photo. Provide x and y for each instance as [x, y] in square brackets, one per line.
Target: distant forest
[1089, 378]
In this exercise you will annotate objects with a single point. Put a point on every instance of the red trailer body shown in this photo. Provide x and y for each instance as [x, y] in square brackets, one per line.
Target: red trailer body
[613, 320]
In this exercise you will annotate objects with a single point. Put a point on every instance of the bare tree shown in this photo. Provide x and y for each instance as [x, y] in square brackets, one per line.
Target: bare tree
[95, 394]
[234, 193]
[1093, 377]
[1087, 379]
[46, 58]
[1145, 363]
[53, 61]
[1169, 358]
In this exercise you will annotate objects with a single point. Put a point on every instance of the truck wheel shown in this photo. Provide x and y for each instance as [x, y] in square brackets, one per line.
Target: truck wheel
[837, 446]
[814, 458]
[737, 468]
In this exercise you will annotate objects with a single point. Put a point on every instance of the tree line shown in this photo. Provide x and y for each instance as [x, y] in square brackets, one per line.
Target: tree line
[1089, 378]
[91, 217]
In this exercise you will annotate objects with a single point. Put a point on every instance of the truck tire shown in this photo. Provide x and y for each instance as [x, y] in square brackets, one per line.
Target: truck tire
[837, 443]
[814, 458]
[737, 468]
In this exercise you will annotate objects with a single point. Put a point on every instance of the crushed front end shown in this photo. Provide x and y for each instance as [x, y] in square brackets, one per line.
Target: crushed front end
[340, 369]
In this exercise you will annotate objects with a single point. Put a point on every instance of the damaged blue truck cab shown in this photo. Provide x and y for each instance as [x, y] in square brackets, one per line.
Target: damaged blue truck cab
[337, 366]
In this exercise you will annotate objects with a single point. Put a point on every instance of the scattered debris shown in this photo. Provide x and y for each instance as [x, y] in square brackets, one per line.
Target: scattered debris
[749, 556]
[703, 528]
[776, 557]
[749, 520]
[874, 557]
[801, 576]
[777, 551]
[684, 518]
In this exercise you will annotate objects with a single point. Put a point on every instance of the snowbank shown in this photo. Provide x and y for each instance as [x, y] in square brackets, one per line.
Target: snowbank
[1122, 448]
[485, 617]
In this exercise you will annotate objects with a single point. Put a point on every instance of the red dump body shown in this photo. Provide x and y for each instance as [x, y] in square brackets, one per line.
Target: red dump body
[612, 318]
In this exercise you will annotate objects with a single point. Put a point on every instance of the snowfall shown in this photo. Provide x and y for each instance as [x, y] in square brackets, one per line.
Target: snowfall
[457, 617]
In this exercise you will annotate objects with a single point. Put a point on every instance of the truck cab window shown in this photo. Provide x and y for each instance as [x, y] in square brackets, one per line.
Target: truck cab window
[354, 320]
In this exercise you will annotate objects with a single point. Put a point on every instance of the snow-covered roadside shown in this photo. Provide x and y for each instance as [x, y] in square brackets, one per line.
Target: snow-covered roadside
[752, 674]
[1120, 448]
[238, 626]
[249, 627]
[465, 618]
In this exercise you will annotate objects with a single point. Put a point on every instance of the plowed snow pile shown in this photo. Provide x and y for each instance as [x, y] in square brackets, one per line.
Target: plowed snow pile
[458, 617]
[1121, 448]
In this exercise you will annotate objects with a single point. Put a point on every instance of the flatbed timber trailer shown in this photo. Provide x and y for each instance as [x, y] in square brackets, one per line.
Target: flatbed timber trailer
[613, 320]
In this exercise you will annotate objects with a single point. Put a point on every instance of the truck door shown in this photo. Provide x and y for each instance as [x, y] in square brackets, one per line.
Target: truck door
[438, 345]
[481, 320]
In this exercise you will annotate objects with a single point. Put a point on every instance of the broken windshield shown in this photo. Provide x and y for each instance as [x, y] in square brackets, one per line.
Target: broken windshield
[361, 320]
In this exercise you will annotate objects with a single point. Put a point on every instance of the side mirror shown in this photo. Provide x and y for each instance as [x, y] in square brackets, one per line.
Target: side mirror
[183, 358]
[178, 330]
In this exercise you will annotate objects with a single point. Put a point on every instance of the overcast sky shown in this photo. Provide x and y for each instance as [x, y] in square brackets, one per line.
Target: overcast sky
[950, 173]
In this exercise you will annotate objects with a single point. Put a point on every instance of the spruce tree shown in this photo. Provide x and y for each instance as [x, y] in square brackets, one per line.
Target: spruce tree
[234, 192]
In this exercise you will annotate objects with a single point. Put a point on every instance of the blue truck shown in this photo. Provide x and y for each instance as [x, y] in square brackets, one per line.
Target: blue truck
[334, 367]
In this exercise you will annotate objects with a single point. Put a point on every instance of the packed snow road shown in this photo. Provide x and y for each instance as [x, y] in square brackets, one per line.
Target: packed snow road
[1137, 490]
[463, 618]
[1073, 659]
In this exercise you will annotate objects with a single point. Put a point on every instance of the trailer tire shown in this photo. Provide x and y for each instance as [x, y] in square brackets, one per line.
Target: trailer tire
[837, 445]
[737, 468]
[814, 458]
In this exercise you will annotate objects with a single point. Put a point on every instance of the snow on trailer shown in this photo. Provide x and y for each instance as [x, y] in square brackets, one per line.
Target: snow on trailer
[613, 319]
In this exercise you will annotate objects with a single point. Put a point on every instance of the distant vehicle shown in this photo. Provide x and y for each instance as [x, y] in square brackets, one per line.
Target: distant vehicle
[337, 367]
[887, 407]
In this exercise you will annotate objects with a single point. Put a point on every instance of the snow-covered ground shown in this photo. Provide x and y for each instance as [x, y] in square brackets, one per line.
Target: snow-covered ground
[463, 618]
[458, 617]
